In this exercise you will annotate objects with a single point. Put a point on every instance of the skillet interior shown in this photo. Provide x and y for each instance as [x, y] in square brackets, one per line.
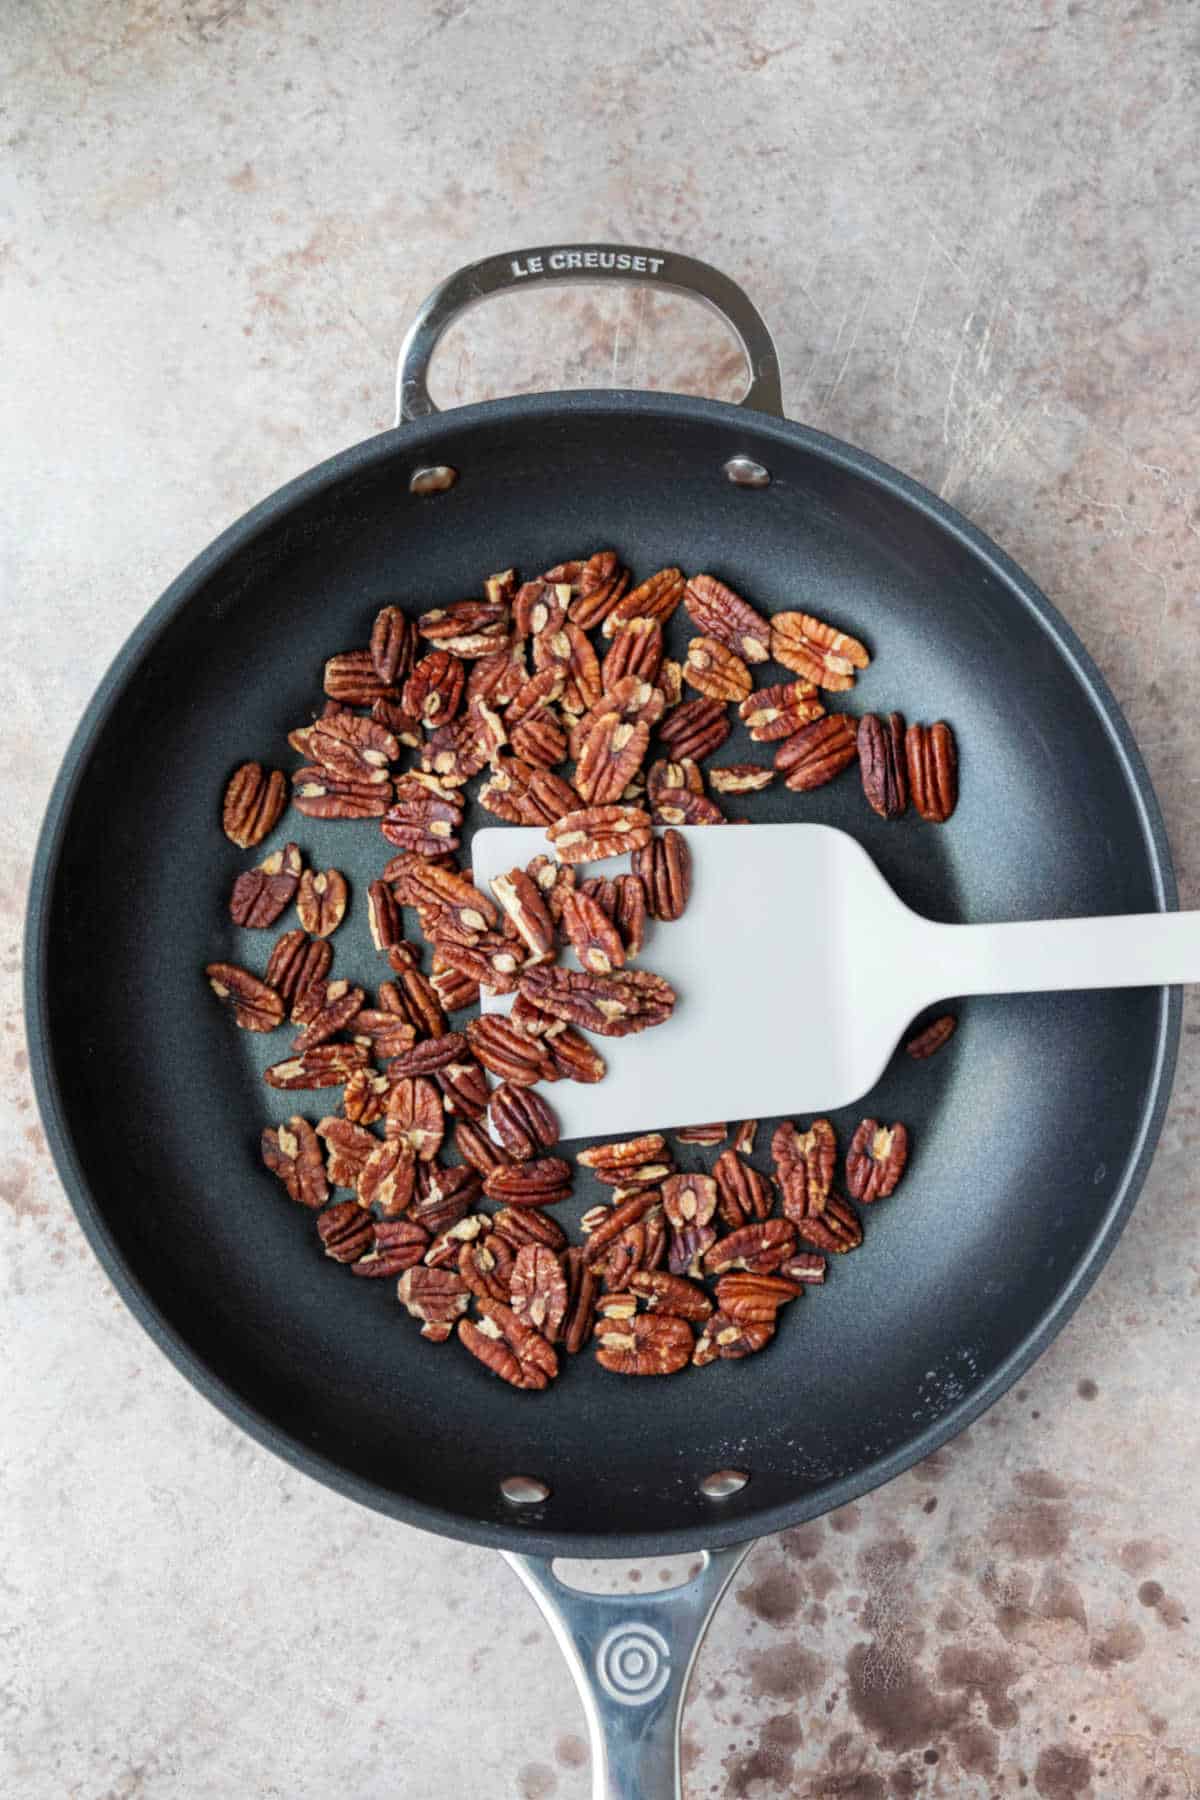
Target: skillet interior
[1031, 1132]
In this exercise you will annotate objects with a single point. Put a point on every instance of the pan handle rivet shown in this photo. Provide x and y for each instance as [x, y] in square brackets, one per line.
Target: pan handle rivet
[433, 480]
[524, 1490]
[722, 1483]
[743, 471]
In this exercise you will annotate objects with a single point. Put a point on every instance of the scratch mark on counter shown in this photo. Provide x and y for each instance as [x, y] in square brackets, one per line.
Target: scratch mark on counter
[912, 319]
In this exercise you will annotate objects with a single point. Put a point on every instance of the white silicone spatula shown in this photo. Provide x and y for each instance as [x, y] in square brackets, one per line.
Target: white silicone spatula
[798, 969]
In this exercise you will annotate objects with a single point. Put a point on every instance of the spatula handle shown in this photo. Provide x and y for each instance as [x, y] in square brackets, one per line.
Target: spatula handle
[1133, 950]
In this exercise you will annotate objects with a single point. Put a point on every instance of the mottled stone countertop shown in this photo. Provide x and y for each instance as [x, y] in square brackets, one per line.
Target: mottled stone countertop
[973, 231]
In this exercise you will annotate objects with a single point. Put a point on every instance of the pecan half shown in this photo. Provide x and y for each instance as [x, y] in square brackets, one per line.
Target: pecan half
[664, 868]
[617, 1165]
[655, 599]
[352, 680]
[594, 938]
[817, 752]
[752, 1298]
[422, 819]
[674, 1294]
[929, 1040]
[256, 1007]
[648, 1344]
[420, 997]
[403, 727]
[730, 1340]
[540, 741]
[714, 1133]
[611, 755]
[393, 645]
[347, 1146]
[498, 677]
[598, 587]
[366, 1095]
[689, 1200]
[520, 1225]
[744, 1136]
[485, 1264]
[835, 1230]
[339, 1007]
[881, 763]
[415, 1117]
[353, 748]
[713, 669]
[637, 650]
[260, 895]
[633, 699]
[614, 1005]
[670, 683]
[388, 1177]
[574, 1059]
[760, 1247]
[535, 698]
[293, 1152]
[521, 794]
[605, 1224]
[696, 729]
[539, 1290]
[522, 1121]
[741, 778]
[875, 1160]
[595, 833]
[544, 1181]
[454, 989]
[383, 916]
[297, 963]
[435, 1296]
[506, 1052]
[806, 1267]
[816, 651]
[455, 752]
[434, 690]
[345, 1230]
[779, 711]
[464, 1089]
[321, 901]
[467, 628]
[492, 960]
[541, 605]
[581, 1300]
[804, 1163]
[396, 1245]
[932, 758]
[446, 1249]
[509, 1348]
[687, 1249]
[676, 794]
[329, 1065]
[720, 613]
[447, 897]
[444, 1196]
[428, 1058]
[476, 1146]
[522, 902]
[253, 804]
[744, 1196]
[318, 794]
[569, 651]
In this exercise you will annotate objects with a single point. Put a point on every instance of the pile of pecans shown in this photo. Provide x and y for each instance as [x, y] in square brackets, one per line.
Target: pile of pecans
[676, 1267]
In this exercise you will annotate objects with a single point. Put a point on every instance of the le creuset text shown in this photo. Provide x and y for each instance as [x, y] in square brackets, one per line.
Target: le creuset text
[557, 260]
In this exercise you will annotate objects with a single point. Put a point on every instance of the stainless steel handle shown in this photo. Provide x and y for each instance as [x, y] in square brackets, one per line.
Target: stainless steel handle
[584, 262]
[631, 1656]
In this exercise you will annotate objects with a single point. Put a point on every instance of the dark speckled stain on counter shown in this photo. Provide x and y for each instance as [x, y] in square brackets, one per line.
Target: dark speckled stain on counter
[772, 1760]
[775, 1597]
[1062, 1773]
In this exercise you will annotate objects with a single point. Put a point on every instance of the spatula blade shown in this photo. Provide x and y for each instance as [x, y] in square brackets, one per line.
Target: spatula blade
[777, 1013]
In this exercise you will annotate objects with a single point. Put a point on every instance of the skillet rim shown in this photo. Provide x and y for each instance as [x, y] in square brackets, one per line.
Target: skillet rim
[412, 439]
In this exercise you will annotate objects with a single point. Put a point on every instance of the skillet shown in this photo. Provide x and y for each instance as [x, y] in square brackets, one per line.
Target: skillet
[1032, 1132]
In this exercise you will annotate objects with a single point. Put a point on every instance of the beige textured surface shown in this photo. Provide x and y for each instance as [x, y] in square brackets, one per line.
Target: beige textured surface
[973, 231]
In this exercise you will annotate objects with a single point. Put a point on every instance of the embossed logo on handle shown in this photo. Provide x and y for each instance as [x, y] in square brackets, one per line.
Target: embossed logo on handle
[633, 1664]
[621, 262]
